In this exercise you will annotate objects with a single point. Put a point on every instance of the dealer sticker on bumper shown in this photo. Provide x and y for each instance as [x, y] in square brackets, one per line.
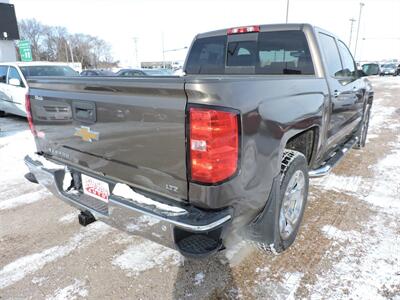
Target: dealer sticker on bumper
[95, 188]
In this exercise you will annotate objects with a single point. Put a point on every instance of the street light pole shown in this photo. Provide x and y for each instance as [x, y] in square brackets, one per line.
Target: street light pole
[358, 29]
[287, 11]
[135, 42]
[163, 51]
[352, 20]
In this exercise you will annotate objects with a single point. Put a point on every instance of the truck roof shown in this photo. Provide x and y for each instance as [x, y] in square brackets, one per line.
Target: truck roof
[264, 27]
[267, 27]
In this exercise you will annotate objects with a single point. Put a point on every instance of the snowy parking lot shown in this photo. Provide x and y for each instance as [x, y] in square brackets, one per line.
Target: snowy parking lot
[348, 246]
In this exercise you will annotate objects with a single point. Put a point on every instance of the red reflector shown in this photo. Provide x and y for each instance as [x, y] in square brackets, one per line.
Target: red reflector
[29, 114]
[214, 144]
[245, 29]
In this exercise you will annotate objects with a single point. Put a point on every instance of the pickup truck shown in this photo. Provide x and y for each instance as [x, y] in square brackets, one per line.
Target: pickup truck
[218, 156]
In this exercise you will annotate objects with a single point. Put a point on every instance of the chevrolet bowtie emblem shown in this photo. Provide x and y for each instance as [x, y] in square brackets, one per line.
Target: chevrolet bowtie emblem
[86, 134]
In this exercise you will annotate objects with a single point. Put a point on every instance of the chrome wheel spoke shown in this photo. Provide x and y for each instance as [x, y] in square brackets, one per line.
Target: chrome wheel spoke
[291, 204]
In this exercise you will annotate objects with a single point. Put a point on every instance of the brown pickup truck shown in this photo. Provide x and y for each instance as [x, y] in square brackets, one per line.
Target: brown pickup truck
[219, 155]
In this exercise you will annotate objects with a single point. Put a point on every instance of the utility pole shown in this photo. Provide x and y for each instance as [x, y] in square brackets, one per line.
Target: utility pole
[287, 11]
[352, 20]
[135, 42]
[358, 29]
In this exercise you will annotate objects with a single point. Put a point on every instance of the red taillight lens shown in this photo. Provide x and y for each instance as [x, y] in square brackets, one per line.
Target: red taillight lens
[214, 144]
[245, 29]
[29, 114]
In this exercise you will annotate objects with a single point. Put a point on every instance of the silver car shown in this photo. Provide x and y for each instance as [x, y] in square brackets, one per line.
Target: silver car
[388, 69]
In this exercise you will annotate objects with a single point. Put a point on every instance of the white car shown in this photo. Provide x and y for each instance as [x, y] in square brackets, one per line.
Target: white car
[14, 86]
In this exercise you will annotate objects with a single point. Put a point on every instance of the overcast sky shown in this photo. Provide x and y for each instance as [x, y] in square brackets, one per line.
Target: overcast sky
[118, 21]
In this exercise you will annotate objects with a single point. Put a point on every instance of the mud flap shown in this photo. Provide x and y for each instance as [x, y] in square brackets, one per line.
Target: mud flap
[264, 228]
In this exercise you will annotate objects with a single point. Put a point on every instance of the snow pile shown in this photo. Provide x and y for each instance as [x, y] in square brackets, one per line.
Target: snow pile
[17, 270]
[70, 292]
[124, 191]
[146, 256]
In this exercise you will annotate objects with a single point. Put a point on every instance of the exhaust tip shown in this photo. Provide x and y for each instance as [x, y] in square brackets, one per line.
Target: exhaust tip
[85, 218]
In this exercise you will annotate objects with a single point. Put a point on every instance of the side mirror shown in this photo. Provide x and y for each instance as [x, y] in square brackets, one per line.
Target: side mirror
[361, 73]
[14, 81]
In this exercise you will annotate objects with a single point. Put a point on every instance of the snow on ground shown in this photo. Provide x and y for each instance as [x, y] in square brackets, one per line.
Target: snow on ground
[348, 184]
[199, 278]
[145, 256]
[69, 218]
[284, 289]
[13, 149]
[23, 199]
[70, 292]
[18, 269]
[368, 262]
[368, 265]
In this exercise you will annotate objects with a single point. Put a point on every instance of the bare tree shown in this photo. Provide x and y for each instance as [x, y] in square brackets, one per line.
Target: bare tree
[53, 44]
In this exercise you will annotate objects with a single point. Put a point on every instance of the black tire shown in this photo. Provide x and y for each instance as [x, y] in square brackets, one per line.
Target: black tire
[363, 132]
[2, 113]
[292, 163]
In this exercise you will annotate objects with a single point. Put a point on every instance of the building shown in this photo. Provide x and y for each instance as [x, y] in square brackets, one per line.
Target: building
[8, 31]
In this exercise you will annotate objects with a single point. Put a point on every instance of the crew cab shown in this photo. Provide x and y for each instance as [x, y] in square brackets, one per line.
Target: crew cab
[14, 85]
[203, 161]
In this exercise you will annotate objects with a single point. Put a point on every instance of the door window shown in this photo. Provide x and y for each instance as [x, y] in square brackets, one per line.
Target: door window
[331, 55]
[3, 74]
[349, 66]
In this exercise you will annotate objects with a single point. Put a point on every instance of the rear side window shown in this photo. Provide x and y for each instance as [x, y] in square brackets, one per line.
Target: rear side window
[331, 55]
[273, 53]
[3, 74]
[207, 56]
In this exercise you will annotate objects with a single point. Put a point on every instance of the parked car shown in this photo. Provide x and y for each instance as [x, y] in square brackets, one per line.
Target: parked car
[14, 86]
[217, 156]
[388, 69]
[143, 72]
[130, 73]
[97, 72]
[371, 69]
[398, 70]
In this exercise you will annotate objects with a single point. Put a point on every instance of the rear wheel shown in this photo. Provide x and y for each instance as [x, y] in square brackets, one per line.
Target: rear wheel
[2, 113]
[292, 201]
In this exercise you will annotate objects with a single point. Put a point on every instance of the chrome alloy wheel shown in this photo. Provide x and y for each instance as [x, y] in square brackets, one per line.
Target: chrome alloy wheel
[292, 204]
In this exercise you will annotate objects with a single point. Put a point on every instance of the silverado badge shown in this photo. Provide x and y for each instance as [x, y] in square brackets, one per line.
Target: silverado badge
[86, 134]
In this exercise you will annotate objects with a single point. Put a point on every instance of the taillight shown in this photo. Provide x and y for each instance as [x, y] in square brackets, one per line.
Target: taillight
[29, 114]
[213, 144]
[245, 29]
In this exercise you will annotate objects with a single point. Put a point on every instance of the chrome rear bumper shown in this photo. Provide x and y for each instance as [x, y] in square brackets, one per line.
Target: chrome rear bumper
[136, 218]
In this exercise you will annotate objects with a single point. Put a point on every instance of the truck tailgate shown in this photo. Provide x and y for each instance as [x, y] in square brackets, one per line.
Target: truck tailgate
[131, 130]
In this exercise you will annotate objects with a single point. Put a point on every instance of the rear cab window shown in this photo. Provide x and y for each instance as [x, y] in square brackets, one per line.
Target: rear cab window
[268, 53]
